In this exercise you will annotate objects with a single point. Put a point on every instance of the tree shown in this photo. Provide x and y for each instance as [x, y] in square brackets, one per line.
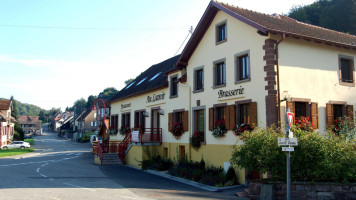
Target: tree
[339, 15]
[79, 105]
[107, 93]
[14, 112]
[128, 81]
[90, 102]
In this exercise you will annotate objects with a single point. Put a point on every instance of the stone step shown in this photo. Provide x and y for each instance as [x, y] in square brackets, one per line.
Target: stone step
[242, 194]
[247, 190]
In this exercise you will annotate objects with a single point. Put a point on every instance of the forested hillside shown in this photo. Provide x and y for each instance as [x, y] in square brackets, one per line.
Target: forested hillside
[26, 109]
[339, 15]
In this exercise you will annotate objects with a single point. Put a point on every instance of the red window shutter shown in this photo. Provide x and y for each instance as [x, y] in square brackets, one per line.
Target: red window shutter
[227, 117]
[314, 115]
[170, 122]
[185, 121]
[291, 106]
[350, 112]
[232, 116]
[253, 114]
[329, 114]
[211, 118]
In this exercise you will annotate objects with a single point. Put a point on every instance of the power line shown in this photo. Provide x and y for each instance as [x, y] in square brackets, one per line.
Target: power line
[190, 31]
[86, 28]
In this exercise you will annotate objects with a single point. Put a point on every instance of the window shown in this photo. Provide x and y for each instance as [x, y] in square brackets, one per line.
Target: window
[242, 67]
[300, 109]
[199, 80]
[346, 70]
[114, 121]
[217, 113]
[244, 114]
[178, 116]
[219, 73]
[140, 119]
[221, 32]
[337, 111]
[305, 108]
[125, 120]
[199, 121]
[220, 114]
[174, 86]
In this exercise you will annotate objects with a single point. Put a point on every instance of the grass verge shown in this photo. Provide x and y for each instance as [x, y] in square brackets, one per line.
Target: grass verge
[14, 152]
[31, 141]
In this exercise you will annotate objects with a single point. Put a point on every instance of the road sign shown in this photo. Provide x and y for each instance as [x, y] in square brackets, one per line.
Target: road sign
[287, 148]
[290, 118]
[287, 142]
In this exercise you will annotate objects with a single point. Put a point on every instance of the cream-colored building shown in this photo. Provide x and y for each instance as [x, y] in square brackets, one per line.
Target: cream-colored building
[6, 123]
[237, 67]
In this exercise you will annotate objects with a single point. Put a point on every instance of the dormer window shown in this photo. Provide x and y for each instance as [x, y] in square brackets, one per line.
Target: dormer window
[221, 32]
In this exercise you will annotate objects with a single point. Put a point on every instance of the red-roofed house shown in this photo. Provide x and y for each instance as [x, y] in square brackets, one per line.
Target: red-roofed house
[30, 124]
[6, 125]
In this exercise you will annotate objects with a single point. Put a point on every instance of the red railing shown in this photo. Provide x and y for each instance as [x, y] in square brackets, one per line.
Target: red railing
[99, 152]
[114, 146]
[151, 135]
[123, 146]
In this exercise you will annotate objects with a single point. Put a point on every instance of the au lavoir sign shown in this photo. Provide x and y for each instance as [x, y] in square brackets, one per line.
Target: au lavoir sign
[229, 93]
[155, 97]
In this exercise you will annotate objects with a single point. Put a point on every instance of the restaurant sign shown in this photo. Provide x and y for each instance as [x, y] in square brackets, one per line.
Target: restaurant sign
[155, 97]
[229, 93]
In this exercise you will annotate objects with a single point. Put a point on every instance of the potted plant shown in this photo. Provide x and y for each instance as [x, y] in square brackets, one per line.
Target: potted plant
[219, 129]
[238, 129]
[177, 129]
[197, 138]
[124, 130]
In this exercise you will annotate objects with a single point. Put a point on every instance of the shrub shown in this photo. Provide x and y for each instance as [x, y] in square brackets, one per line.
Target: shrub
[261, 152]
[316, 158]
[230, 176]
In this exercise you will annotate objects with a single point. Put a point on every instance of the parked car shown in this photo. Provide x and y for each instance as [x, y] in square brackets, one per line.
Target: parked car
[17, 145]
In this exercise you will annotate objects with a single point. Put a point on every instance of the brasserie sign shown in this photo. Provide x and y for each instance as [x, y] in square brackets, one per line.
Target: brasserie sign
[123, 106]
[229, 93]
[155, 97]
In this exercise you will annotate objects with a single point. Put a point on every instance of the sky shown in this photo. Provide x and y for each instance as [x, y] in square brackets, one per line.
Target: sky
[54, 52]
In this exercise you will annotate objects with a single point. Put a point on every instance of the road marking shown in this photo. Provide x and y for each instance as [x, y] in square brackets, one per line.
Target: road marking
[38, 170]
[128, 197]
[43, 175]
[77, 186]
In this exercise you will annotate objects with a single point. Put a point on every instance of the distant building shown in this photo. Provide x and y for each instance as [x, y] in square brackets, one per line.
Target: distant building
[6, 123]
[30, 124]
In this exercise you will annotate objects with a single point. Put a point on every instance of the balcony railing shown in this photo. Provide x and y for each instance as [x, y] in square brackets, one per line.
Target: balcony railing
[150, 135]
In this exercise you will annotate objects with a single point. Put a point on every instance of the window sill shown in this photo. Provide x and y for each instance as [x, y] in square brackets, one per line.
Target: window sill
[242, 81]
[202, 143]
[220, 42]
[347, 84]
[172, 97]
[197, 91]
[219, 86]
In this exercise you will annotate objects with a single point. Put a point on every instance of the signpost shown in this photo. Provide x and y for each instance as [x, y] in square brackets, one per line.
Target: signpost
[288, 141]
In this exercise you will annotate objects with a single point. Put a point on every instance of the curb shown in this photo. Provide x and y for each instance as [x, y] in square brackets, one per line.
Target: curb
[188, 182]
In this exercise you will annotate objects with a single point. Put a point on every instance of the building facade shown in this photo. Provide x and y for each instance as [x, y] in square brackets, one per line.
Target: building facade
[6, 123]
[237, 68]
[30, 124]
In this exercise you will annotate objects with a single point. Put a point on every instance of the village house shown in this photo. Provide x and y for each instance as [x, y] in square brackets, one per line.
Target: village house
[6, 123]
[30, 124]
[239, 67]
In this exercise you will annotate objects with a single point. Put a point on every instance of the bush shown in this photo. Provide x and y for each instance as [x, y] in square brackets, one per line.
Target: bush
[316, 158]
[17, 136]
[230, 176]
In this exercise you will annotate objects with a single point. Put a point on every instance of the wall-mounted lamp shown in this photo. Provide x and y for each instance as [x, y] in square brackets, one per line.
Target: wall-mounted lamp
[160, 111]
[145, 114]
[286, 96]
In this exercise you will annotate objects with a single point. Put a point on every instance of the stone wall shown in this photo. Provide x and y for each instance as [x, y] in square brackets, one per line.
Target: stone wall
[301, 191]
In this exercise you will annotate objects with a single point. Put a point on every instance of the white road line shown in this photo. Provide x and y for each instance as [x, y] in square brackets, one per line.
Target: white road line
[77, 186]
[43, 175]
[38, 170]
[129, 197]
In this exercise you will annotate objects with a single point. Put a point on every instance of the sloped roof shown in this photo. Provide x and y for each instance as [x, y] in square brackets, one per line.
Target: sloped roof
[265, 24]
[23, 119]
[151, 79]
[3, 116]
[5, 104]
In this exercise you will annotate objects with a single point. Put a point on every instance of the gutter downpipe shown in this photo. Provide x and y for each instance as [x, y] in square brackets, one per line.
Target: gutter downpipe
[278, 87]
[190, 114]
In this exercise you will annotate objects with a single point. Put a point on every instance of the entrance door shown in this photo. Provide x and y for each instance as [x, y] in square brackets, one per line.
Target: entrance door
[155, 125]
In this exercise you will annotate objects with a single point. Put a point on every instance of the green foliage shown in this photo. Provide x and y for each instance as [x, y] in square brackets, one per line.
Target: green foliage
[230, 176]
[344, 127]
[128, 81]
[14, 112]
[107, 93]
[19, 131]
[31, 141]
[17, 136]
[316, 158]
[14, 152]
[155, 161]
[339, 15]
[261, 152]
[90, 102]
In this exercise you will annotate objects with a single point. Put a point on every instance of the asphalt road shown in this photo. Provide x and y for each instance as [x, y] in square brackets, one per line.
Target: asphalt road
[64, 170]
